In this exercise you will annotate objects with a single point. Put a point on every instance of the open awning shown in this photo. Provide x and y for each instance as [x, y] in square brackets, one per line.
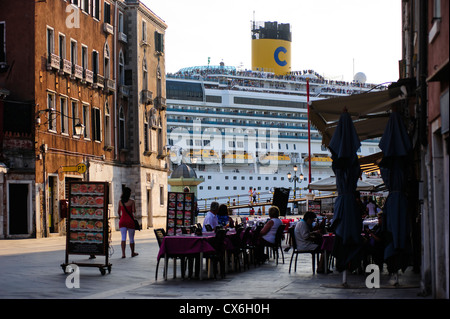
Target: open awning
[369, 112]
[370, 163]
[329, 184]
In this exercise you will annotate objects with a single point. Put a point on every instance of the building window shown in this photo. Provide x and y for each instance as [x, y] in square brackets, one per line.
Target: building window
[96, 125]
[121, 69]
[107, 12]
[436, 9]
[160, 139]
[87, 126]
[146, 138]
[64, 115]
[107, 125]
[96, 9]
[84, 57]
[50, 41]
[62, 46]
[144, 75]
[121, 29]
[52, 112]
[161, 195]
[75, 118]
[95, 69]
[73, 52]
[106, 61]
[85, 6]
[2, 42]
[144, 31]
[159, 42]
[121, 129]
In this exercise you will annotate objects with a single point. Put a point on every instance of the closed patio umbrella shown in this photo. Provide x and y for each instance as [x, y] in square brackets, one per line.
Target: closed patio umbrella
[396, 146]
[347, 223]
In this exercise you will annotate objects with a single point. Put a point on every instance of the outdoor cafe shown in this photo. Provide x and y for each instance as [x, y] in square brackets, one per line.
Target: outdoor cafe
[195, 253]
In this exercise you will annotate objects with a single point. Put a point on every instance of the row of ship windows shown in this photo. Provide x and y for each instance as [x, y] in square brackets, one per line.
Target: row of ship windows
[239, 144]
[275, 124]
[240, 112]
[250, 178]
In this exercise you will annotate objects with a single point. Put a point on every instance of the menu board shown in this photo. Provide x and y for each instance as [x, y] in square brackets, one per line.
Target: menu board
[87, 223]
[314, 206]
[180, 212]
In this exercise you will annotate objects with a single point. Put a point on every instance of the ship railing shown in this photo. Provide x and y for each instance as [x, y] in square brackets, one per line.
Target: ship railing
[242, 205]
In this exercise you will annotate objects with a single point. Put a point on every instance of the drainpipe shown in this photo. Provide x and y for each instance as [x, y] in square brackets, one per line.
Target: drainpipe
[116, 14]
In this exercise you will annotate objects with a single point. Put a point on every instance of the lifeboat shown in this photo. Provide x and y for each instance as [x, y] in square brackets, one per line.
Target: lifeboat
[274, 158]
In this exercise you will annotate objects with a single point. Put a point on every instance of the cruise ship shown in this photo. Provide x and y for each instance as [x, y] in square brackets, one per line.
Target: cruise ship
[242, 128]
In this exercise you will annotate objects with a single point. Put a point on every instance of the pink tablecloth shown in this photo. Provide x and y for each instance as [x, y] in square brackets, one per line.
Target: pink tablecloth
[328, 242]
[185, 245]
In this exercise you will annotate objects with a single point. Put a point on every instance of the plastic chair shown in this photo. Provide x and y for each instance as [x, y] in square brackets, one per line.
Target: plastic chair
[255, 243]
[160, 234]
[296, 252]
[218, 256]
[277, 245]
[244, 247]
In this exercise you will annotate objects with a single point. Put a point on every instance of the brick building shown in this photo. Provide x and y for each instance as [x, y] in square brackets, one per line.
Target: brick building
[66, 64]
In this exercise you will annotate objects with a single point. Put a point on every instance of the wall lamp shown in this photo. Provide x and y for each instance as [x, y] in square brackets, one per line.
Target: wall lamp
[79, 128]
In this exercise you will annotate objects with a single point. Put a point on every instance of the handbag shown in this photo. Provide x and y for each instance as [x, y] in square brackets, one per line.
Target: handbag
[137, 226]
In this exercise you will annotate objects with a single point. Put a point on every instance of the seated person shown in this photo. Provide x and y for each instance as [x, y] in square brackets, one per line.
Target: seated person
[375, 244]
[268, 232]
[309, 240]
[211, 216]
[223, 218]
[305, 238]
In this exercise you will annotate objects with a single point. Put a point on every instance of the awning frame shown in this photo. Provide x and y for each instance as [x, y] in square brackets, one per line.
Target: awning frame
[369, 111]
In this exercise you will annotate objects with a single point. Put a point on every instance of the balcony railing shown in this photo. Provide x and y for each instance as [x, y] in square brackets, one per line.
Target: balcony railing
[98, 81]
[110, 85]
[89, 76]
[147, 97]
[123, 37]
[53, 62]
[160, 103]
[107, 28]
[77, 71]
[124, 91]
[66, 67]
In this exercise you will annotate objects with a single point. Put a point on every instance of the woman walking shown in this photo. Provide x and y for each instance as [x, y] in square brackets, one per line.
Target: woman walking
[126, 211]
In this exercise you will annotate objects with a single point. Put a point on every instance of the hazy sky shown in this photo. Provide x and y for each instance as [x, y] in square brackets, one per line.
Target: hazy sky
[335, 38]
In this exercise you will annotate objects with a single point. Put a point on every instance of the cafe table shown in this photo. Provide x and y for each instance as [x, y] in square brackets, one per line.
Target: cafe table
[185, 245]
[327, 246]
[191, 245]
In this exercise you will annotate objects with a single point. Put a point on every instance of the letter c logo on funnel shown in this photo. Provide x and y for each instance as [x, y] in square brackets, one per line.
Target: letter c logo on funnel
[276, 56]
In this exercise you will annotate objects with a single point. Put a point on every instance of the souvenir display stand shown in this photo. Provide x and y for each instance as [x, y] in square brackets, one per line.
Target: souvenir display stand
[87, 223]
[180, 212]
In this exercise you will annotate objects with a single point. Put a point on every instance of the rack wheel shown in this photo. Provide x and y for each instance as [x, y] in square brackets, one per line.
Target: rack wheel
[109, 269]
[64, 269]
[102, 271]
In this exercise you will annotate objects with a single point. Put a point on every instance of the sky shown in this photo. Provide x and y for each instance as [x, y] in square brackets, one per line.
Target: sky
[335, 38]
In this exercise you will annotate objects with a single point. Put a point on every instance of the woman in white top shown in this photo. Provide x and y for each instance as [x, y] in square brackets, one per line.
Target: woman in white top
[270, 228]
[268, 233]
